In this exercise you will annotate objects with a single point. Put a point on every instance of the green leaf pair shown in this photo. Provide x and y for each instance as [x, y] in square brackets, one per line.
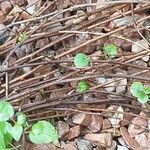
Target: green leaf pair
[139, 91]
[81, 60]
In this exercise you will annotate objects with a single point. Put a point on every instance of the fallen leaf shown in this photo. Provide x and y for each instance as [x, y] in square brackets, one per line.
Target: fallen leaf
[63, 128]
[117, 117]
[81, 119]
[106, 124]
[69, 146]
[104, 139]
[129, 141]
[96, 123]
[73, 133]
[138, 125]
[84, 144]
[143, 139]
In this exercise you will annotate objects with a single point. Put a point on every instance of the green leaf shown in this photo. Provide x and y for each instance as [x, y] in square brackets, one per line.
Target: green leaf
[22, 36]
[81, 60]
[5, 129]
[21, 118]
[136, 88]
[146, 90]
[2, 148]
[17, 131]
[82, 86]
[40, 139]
[43, 132]
[110, 50]
[142, 97]
[6, 111]
[2, 141]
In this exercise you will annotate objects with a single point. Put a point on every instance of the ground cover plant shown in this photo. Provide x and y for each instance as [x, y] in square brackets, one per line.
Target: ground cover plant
[40, 133]
[81, 60]
[141, 92]
[110, 50]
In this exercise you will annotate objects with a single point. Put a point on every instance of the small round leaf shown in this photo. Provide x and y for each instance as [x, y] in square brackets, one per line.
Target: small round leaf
[110, 50]
[146, 90]
[17, 131]
[6, 111]
[2, 141]
[82, 86]
[81, 60]
[5, 129]
[136, 88]
[40, 139]
[142, 97]
[21, 118]
[43, 132]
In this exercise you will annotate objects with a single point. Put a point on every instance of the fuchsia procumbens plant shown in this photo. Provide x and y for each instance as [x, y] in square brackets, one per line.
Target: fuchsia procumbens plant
[141, 92]
[82, 86]
[41, 132]
[81, 60]
[110, 50]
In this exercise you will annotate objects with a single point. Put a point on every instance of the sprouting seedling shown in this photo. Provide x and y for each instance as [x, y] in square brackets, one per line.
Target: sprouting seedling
[139, 91]
[81, 60]
[82, 86]
[110, 50]
[22, 36]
